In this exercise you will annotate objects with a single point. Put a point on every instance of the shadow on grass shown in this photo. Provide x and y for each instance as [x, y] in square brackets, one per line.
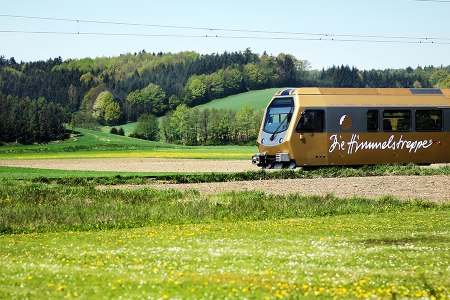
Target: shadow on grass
[406, 241]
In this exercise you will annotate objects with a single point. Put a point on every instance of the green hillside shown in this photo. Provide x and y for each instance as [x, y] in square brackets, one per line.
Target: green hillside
[128, 128]
[256, 99]
[95, 144]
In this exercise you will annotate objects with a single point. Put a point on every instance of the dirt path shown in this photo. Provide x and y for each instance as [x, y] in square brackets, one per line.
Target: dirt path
[136, 165]
[433, 188]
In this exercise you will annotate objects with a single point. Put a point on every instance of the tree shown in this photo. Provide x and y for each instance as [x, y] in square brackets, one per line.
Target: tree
[445, 83]
[146, 128]
[195, 90]
[156, 96]
[149, 100]
[178, 124]
[136, 105]
[103, 100]
[244, 119]
[90, 97]
[203, 124]
[233, 81]
[112, 113]
[254, 77]
[216, 85]
[174, 101]
[438, 76]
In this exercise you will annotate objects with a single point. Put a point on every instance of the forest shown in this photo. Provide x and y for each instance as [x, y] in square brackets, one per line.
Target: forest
[111, 91]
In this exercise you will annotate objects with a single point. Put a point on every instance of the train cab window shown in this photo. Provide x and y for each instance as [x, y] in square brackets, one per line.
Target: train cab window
[428, 120]
[279, 114]
[311, 121]
[397, 120]
[373, 124]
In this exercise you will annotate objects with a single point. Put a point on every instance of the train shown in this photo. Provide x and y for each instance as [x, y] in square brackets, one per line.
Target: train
[315, 126]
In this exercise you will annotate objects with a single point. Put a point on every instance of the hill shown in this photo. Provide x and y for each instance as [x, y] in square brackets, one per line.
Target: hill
[256, 99]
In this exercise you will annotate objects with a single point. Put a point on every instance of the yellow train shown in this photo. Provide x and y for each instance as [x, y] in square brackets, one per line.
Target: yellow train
[352, 126]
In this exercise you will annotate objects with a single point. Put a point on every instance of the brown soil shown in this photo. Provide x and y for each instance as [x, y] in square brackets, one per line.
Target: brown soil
[434, 188]
[136, 165]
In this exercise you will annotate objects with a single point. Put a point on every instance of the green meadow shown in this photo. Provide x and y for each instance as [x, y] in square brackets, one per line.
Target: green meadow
[96, 144]
[256, 99]
[75, 241]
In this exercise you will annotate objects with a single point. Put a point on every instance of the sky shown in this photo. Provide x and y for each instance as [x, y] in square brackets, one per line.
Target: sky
[366, 34]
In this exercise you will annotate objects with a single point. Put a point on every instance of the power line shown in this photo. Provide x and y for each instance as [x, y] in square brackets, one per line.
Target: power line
[317, 36]
[329, 39]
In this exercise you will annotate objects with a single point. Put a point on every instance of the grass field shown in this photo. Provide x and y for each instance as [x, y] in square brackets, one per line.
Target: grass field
[95, 144]
[128, 128]
[62, 241]
[256, 99]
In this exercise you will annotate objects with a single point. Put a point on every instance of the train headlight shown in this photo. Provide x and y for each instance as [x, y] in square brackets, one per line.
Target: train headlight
[280, 140]
[262, 141]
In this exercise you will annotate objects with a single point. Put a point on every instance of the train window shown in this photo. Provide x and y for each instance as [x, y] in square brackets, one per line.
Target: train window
[397, 120]
[428, 120]
[311, 121]
[373, 124]
[279, 115]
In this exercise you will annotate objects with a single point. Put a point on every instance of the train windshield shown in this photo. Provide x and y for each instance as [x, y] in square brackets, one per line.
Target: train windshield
[279, 114]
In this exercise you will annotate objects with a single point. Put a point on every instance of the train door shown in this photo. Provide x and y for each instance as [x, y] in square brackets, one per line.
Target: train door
[312, 139]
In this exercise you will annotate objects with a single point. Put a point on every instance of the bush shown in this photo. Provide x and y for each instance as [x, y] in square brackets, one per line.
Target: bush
[113, 130]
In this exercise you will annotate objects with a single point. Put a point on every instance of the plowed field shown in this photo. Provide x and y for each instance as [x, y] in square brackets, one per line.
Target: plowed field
[434, 188]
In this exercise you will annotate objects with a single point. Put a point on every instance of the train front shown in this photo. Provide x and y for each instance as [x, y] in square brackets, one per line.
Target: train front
[275, 132]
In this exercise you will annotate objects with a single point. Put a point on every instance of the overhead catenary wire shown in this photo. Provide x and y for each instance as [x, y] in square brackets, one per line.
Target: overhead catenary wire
[267, 35]
[327, 38]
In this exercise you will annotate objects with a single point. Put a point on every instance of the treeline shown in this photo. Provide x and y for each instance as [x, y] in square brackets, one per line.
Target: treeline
[117, 90]
[28, 121]
[157, 83]
[192, 126]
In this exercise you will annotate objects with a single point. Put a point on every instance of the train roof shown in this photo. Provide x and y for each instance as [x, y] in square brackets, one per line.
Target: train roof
[364, 91]
[425, 97]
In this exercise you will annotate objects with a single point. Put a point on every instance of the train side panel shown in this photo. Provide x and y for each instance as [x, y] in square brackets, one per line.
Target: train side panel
[364, 126]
